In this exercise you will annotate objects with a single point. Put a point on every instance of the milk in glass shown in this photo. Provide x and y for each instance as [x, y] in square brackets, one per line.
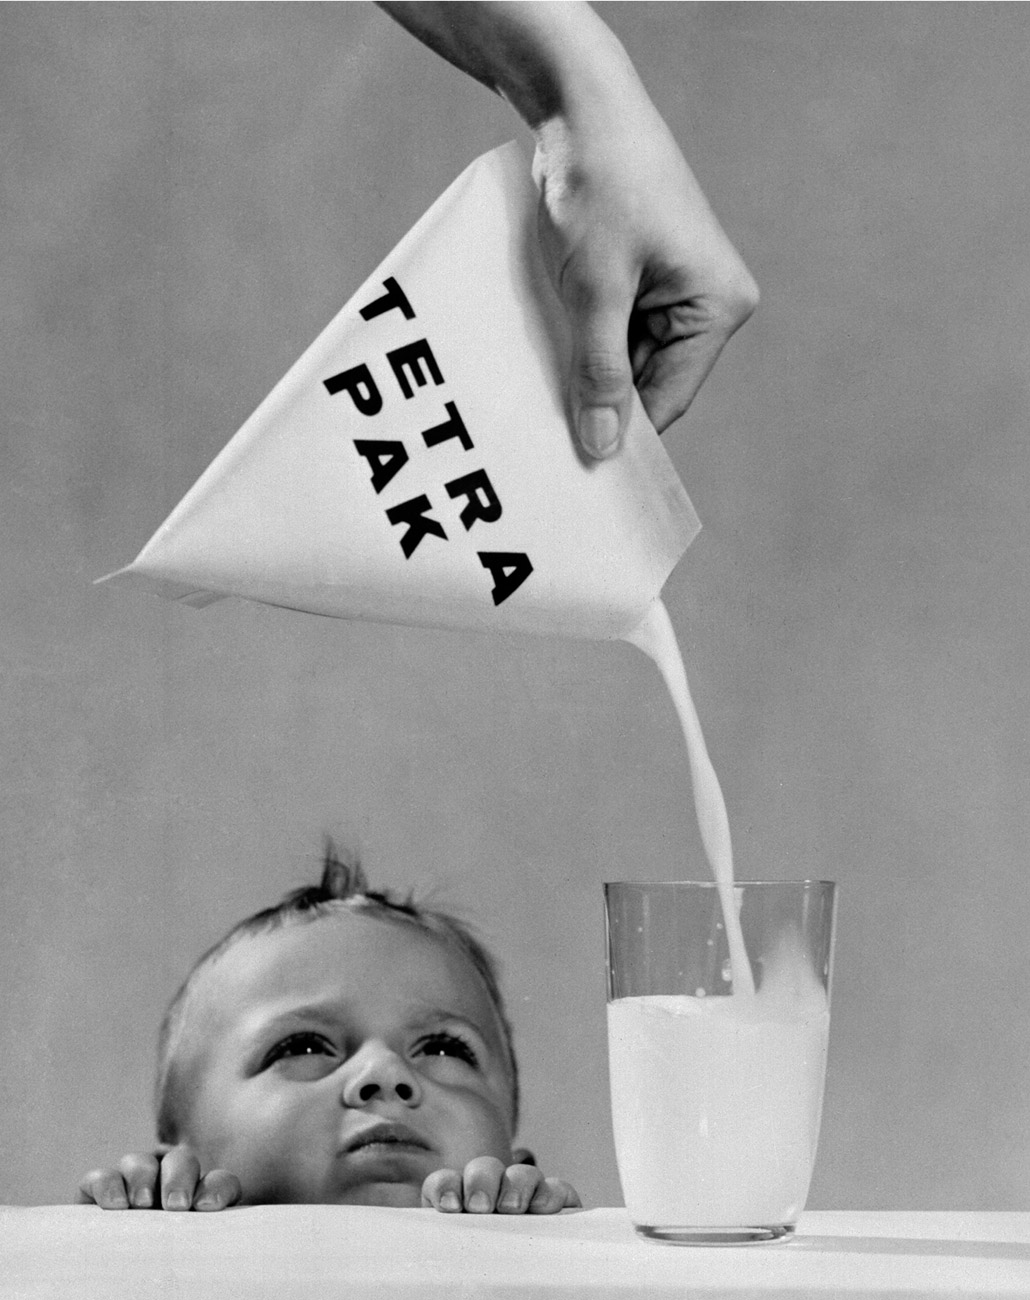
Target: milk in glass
[716, 1103]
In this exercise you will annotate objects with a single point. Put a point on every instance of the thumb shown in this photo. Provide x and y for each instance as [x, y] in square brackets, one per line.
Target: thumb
[601, 380]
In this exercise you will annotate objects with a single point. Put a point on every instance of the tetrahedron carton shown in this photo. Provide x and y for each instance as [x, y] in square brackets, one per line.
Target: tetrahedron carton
[416, 465]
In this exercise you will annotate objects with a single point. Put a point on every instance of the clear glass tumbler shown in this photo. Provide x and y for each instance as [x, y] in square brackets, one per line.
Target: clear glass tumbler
[717, 1095]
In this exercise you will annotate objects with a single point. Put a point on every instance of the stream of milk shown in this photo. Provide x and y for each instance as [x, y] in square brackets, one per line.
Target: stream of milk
[655, 636]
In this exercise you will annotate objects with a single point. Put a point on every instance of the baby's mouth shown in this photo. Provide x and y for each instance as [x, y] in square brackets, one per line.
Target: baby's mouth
[386, 1137]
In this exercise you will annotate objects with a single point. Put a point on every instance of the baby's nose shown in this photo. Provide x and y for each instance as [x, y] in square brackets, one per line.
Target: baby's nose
[377, 1073]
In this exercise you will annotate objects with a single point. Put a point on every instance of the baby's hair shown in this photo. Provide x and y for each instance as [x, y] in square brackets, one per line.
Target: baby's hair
[343, 886]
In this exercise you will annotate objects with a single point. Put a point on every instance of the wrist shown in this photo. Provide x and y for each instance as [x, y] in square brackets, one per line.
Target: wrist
[547, 60]
[604, 131]
[596, 109]
[568, 68]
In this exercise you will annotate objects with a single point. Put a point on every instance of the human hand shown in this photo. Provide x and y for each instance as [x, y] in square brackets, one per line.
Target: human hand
[166, 1179]
[651, 284]
[486, 1186]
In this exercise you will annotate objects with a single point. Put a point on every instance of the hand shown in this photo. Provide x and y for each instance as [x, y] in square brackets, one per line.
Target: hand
[652, 285]
[487, 1187]
[167, 1179]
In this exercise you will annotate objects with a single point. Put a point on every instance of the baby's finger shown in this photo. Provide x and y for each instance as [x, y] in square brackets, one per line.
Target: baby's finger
[217, 1190]
[554, 1195]
[517, 1188]
[442, 1191]
[180, 1172]
[141, 1172]
[481, 1183]
[104, 1187]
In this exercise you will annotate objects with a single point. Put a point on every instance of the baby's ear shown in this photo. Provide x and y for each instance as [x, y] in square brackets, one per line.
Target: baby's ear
[520, 1156]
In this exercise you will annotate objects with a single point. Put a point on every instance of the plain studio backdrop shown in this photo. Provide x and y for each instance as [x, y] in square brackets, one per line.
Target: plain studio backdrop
[189, 194]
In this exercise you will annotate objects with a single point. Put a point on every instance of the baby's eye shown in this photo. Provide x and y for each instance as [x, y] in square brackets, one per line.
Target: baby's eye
[299, 1046]
[445, 1044]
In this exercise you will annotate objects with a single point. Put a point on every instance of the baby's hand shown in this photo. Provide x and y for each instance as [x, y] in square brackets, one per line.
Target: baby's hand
[487, 1187]
[166, 1179]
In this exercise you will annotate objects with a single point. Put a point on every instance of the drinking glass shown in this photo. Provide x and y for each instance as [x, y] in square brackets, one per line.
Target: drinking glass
[717, 1092]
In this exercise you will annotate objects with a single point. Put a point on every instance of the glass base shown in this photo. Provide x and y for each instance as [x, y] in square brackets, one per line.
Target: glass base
[674, 1236]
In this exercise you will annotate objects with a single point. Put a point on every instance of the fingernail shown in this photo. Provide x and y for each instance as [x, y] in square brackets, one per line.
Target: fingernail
[178, 1201]
[510, 1201]
[449, 1201]
[207, 1201]
[117, 1202]
[479, 1203]
[599, 429]
[143, 1198]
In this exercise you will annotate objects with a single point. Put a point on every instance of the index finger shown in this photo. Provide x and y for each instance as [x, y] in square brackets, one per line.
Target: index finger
[673, 373]
[675, 344]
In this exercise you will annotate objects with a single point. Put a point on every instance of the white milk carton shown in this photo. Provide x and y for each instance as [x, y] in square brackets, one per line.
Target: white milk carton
[416, 464]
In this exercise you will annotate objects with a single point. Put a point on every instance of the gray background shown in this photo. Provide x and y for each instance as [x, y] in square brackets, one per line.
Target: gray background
[189, 194]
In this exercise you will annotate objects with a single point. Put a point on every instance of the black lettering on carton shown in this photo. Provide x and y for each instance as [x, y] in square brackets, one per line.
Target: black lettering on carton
[385, 458]
[414, 513]
[411, 357]
[392, 299]
[452, 427]
[509, 570]
[483, 502]
[359, 383]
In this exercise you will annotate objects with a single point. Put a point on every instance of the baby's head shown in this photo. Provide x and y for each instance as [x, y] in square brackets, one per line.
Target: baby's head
[338, 1048]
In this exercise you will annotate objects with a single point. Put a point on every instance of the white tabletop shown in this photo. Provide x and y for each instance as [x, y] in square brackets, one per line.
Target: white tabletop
[294, 1251]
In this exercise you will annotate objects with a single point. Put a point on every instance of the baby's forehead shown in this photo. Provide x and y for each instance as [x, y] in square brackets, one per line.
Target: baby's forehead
[348, 957]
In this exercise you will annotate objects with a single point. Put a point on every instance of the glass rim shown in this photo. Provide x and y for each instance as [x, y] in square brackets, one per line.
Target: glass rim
[710, 884]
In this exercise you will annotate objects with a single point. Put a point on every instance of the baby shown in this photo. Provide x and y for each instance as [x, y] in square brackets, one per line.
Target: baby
[344, 1047]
